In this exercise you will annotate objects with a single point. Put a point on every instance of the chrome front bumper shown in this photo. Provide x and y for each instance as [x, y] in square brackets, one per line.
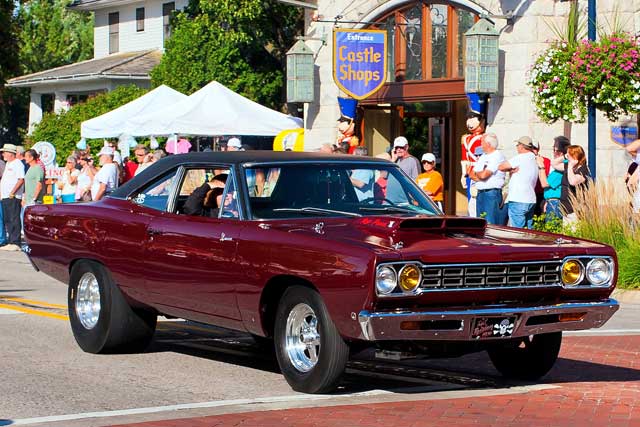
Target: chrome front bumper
[458, 324]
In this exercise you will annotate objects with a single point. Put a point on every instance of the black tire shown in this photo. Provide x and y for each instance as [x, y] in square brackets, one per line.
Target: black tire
[119, 328]
[332, 353]
[527, 358]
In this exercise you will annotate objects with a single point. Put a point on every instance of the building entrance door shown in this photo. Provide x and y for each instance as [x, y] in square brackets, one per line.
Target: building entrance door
[427, 126]
[431, 127]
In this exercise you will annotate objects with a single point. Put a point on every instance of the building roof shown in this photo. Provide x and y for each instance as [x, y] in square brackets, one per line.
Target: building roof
[127, 65]
[89, 5]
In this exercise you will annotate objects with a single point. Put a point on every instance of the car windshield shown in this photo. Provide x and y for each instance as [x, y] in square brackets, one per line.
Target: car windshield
[350, 190]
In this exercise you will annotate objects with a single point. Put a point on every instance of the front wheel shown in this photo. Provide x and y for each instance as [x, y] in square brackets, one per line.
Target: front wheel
[311, 353]
[101, 319]
[527, 358]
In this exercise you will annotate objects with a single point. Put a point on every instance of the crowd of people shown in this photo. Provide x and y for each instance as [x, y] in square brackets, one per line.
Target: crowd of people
[510, 191]
[507, 191]
[503, 191]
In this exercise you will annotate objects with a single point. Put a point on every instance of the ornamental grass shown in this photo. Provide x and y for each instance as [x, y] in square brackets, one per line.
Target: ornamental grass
[605, 215]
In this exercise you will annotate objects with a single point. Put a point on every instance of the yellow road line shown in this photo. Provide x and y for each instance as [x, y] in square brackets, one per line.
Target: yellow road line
[35, 312]
[33, 302]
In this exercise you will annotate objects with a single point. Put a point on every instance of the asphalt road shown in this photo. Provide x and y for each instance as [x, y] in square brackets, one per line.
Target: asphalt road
[48, 380]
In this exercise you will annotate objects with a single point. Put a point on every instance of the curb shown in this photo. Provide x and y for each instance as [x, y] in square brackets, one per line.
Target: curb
[630, 296]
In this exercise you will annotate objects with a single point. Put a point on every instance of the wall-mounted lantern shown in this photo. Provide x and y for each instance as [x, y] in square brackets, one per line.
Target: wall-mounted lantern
[481, 70]
[300, 80]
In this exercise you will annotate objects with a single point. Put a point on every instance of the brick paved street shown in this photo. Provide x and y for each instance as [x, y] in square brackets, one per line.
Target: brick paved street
[597, 383]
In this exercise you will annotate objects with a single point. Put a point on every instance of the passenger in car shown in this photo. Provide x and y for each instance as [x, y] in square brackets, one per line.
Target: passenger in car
[195, 203]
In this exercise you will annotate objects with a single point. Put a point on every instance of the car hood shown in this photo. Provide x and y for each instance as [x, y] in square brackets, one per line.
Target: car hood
[446, 239]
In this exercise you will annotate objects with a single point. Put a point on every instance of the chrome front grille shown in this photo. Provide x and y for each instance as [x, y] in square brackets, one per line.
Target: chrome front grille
[481, 276]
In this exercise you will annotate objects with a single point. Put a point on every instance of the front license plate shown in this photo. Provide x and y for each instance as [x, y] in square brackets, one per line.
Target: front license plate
[493, 327]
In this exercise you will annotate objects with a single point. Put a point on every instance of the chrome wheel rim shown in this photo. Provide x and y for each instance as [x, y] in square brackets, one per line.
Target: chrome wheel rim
[88, 301]
[302, 338]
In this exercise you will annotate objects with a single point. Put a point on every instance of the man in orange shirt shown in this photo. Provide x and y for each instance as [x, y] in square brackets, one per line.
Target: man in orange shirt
[431, 181]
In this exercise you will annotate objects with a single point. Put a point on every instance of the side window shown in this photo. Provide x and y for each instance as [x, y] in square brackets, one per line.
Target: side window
[156, 194]
[201, 191]
[262, 181]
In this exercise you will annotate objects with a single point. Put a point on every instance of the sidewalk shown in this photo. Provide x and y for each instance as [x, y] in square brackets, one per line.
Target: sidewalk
[631, 296]
[597, 383]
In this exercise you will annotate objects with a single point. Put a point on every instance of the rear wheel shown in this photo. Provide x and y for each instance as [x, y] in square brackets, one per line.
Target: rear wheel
[101, 319]
[527, 358]
[311, 353]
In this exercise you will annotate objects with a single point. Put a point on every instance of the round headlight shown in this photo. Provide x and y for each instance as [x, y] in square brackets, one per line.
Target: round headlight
[599, 271]
[572, 272]
[410, 277]
[386, 280]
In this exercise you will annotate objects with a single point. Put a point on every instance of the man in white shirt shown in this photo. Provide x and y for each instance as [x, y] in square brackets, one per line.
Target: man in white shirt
[106, 180]
[489, 180]
[522, 183]
[11, 189]
[362, 179]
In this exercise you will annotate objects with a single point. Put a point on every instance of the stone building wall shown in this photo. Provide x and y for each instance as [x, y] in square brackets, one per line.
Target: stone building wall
[510, 113]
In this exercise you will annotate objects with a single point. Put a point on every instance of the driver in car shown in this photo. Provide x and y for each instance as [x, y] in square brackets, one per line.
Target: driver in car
[195, 203]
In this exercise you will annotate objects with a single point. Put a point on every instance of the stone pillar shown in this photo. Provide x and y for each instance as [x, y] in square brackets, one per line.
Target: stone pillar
[35, 110]
[60, 104]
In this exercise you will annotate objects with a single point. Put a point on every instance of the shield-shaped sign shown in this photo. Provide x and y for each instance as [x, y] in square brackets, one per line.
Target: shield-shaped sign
[359, 61]
[624, 134]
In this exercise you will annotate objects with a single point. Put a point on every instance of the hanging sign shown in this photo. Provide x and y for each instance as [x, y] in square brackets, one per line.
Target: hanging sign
[359, 61]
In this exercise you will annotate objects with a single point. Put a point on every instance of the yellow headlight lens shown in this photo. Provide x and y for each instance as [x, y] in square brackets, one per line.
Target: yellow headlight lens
[572, 272]
[410, 278]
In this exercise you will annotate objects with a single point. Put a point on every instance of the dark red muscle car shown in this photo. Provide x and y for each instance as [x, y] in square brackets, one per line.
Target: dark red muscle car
[326, 255]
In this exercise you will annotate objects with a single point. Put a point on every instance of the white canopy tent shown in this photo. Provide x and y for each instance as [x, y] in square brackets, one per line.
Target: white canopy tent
[115, 122]
[213, 110]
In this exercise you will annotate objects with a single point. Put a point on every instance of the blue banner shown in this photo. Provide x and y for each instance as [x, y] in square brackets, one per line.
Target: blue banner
[359, 61]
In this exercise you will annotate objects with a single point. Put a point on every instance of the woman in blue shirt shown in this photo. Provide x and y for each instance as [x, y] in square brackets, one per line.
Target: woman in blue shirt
[552, 184]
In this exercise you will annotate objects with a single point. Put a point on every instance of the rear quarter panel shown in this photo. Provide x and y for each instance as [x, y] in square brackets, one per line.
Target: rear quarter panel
[110, 232]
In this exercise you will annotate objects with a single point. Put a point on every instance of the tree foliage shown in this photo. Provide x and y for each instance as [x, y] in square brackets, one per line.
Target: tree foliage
[8, 64]
[8, 45]
[63, 130]
[51, 35]
[38, 35]
[239, 43]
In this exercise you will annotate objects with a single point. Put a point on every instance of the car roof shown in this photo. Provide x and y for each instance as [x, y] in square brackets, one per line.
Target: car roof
[233, 158]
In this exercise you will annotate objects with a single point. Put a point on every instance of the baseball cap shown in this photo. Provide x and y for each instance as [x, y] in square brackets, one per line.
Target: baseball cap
[400, 141]
[234, 142]
[10, 148]
[108, 151]
[19, 149]
[428, 157]
[527, 142]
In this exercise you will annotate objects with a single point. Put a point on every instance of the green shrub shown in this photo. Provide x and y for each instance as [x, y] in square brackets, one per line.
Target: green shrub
[63, 130]
[629, 261]
[552, 225]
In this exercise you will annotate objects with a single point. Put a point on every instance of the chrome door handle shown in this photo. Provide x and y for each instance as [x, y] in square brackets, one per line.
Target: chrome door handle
[224, 238]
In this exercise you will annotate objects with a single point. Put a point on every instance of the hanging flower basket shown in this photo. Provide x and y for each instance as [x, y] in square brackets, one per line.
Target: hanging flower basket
[607, 72]
[555, 95]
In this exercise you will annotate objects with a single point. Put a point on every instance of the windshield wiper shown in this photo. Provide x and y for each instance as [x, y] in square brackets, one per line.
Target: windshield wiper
[388, 209]
[317, 211]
